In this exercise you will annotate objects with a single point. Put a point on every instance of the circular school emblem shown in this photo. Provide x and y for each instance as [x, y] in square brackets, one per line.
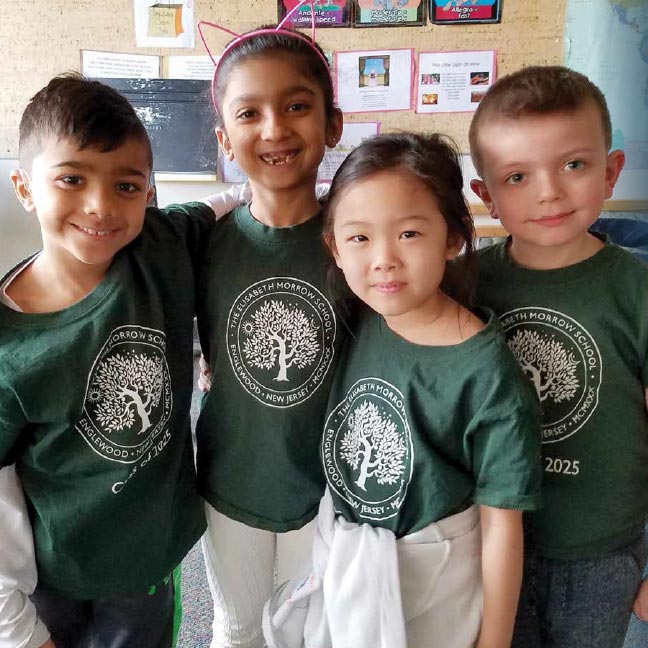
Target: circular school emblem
[562, 361]
[367, 449]
[128, 399]
[280, 340]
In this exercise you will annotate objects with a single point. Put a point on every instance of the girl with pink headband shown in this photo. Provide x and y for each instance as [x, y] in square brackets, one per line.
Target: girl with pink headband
[267, 328]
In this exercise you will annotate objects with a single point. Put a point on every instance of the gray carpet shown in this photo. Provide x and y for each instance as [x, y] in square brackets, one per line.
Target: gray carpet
[197, 611]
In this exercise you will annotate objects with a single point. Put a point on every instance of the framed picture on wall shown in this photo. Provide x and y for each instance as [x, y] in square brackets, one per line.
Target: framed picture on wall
[465, 11]
[389, 13]
[328, 13]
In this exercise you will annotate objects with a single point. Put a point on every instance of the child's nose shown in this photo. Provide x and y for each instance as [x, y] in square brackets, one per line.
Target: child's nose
[384, 257]
[550, 188]
[274, 127]
[100, 203]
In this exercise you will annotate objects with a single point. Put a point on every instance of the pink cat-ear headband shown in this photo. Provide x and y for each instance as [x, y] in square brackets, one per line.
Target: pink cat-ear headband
[279, 29]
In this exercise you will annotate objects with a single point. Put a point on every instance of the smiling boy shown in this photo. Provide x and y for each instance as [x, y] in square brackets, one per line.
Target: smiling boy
[96, 340]
[575, 311]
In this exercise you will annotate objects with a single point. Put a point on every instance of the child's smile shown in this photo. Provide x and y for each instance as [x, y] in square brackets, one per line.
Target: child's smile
[90, 203]
[545, 178]
[391, 242]
[277, 132]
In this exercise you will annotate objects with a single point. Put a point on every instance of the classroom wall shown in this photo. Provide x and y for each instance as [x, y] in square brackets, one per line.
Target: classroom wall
[41, 38]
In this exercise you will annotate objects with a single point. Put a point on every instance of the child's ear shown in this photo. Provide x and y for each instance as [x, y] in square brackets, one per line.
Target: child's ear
[20, 183]
[149, 194]
[334, 129]
[613, 167]
[479, 187]
[224, 143]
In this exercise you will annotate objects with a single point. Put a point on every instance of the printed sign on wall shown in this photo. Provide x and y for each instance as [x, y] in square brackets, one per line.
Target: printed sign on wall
[328, 13]
[464, 11]
[389, 13]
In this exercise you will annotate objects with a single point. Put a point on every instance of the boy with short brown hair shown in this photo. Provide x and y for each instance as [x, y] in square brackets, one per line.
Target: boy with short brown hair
[96, 346]
[575, 311]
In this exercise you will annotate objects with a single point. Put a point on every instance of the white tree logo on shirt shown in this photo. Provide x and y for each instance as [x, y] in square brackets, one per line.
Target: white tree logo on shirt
[127, 386]
[128, 398]
[280, 336]
[373, 443]
[563, 362]
[367, 449]
[281, 340]
[550, 366]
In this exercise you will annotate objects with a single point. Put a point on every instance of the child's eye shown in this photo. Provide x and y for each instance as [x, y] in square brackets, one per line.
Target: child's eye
[515, 178]
[128, 187]
[410, 234]
[245, 114]
[358, 238]
[298, 106]
[572, 165]
[71, 180]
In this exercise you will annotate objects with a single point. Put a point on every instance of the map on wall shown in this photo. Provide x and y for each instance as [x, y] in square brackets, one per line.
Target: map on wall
[608, 41]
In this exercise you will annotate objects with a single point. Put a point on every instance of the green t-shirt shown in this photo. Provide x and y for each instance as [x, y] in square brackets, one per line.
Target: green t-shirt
[271, 338]
[415, 433]
[94, 410]
[581, 335]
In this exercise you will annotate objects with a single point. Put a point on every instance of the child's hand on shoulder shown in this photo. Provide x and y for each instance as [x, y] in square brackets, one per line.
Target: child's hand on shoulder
[640, 607]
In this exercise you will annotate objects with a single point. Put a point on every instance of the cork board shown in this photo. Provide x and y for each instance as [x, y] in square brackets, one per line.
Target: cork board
[42, 38]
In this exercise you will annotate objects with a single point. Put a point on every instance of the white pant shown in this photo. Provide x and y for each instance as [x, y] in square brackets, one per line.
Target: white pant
[366, 589]
[440, 578]
[243, 566]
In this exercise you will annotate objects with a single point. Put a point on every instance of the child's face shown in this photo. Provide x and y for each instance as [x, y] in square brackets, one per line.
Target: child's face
[89, 204]
[275, 123]
[391, 243]
[546, 177]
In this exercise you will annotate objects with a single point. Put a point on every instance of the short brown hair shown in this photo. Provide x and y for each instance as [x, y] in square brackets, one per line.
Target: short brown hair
[537, 90]
[85, 111]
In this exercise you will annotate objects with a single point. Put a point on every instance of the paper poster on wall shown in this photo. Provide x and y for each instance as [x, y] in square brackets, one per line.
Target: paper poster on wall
[115, 65]
[230, 171]
[190, 67]
[374, 80]
[164, 24]
[389, 13]
[352, 136]
[453, 81]
[328, 13]
[465, 11]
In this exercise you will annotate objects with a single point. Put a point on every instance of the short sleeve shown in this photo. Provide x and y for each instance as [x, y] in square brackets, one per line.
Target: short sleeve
[192, 222]
[505, 436]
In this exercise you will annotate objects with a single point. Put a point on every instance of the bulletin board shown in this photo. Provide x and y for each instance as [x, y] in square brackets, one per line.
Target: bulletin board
[42, 38]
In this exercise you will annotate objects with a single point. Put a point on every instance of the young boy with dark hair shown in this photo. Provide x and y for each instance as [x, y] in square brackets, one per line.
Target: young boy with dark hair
[575, 311]
[96, 341]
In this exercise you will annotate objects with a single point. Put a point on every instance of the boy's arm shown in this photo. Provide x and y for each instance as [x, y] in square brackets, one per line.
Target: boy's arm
[20, 626]
[501, 574]
[222, 203]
